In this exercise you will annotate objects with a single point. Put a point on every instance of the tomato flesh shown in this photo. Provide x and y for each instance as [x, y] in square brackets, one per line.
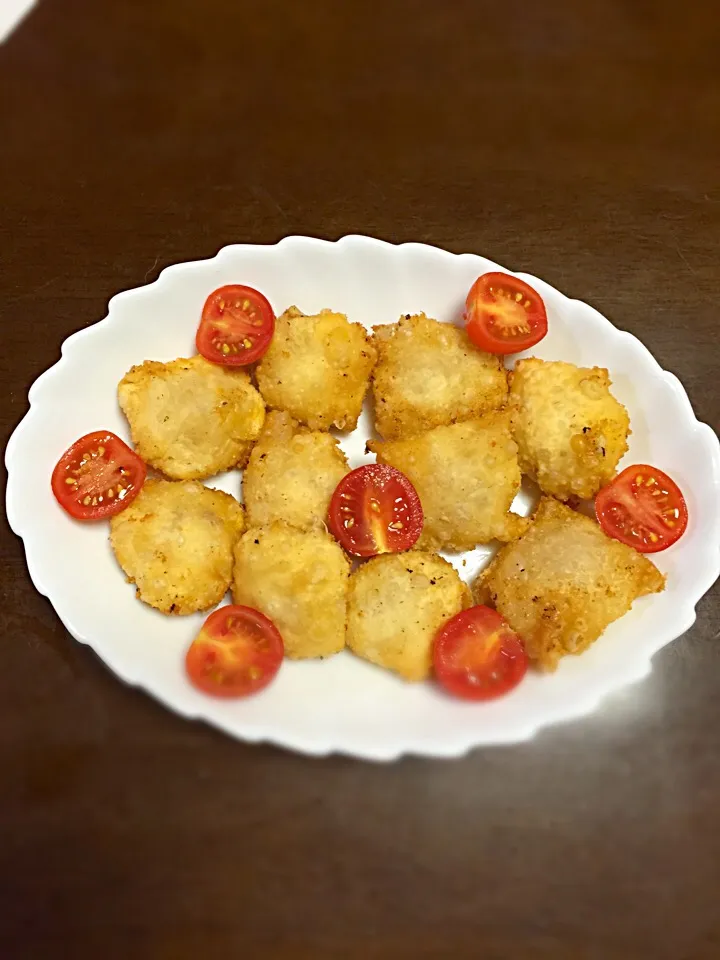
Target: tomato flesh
[643, 508]
[97, 477]
[477, 655]
[504, 314]
[236, 327]
[375, 509]
[237, 652]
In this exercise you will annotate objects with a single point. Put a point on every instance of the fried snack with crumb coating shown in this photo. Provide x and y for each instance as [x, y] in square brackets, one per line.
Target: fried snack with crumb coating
[291, 475]
[299, 579]
[175, 543]
[562, 583]
[466, 476]
[317, 369]
[429, 374]
[191, 419]
[397, 604]
[570, 430]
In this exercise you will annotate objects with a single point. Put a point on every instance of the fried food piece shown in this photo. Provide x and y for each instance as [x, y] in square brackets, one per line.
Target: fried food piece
[397, 603]
[570, 430]
[292, 474]
[191, 419]
[429, 374]
[175, 542]
[563, 582]
[300, 580]
[466, 475]
[317, 369]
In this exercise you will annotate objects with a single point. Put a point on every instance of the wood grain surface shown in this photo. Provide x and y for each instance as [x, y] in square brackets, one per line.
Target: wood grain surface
[579, 141]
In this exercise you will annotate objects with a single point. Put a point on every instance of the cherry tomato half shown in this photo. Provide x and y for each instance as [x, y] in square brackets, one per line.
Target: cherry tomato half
[237, 652]
[375, 509]
[477, 656]
[643, 508]
[504, 314]
[237, 326]
[97, 477]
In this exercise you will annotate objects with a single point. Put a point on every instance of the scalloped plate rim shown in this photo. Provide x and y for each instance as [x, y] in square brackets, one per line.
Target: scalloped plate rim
[288, 738]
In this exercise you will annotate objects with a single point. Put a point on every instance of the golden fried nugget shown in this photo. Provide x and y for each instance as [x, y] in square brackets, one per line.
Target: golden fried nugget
[175, 542]
[563, 582]
[397, 604]
[299, 579]
[429, 374]
[570, 430]
[466, 476]
[317, 369]
[191, 419]
[292, 474]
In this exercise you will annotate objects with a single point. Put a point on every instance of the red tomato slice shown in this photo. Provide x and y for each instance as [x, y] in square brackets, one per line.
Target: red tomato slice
[375, 509]
[643, 508]
[477, 656]
[237, 326]
[237, 652]
[97, 477]
[504, 315]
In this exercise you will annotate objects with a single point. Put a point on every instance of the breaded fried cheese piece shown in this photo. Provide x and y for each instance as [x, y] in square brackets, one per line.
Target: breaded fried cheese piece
[563, 582]
[191, 419]
[300, 580]
[466, 476]
[397, 603]
[429, 374]
[292, 474]
[317, 369]
[175, 543]
[570, 430]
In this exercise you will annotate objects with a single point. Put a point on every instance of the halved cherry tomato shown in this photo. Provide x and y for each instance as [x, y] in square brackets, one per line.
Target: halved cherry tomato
[643, 508]
[504, 314]
[237, 652]
[97, 477]
[477, 656]
[237, 326]
[375, 509]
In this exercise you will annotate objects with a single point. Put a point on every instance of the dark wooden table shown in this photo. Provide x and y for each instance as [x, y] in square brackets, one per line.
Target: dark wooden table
[577, 141]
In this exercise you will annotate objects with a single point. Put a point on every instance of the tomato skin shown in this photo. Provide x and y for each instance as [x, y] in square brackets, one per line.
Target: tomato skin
[98, 467]
[375, 509]
[477, 655]
[236, 326]
[504, 314]
[237, 652]
[642, 508]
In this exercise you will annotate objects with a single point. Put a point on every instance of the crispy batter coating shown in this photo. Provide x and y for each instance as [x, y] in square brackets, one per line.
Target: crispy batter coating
[570, 430]
[292, 474]
[397, 604]
[175, 542]
[563, 582]
[191, 419]
[317, 369]
[466, 475]
[300, 580]
[429, 374]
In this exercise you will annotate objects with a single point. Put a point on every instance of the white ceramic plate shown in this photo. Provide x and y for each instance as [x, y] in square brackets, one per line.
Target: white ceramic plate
[344, 704]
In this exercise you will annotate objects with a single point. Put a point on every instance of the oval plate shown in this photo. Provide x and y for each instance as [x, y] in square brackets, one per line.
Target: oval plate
[345, 704]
